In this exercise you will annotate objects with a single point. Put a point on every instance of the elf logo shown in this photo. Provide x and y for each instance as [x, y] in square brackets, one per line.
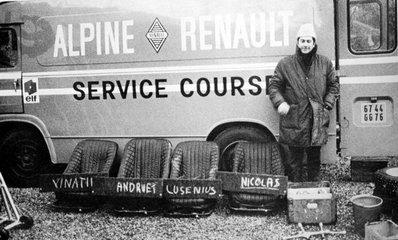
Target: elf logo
[31, 86]
[156, 35]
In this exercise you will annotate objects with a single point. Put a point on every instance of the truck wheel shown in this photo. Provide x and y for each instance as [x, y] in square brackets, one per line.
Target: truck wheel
[386, 187]
[24, 157]
[230, 137]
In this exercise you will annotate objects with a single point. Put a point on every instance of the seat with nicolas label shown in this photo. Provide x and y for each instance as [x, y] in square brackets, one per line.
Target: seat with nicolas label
[193, 160]
[256, 158]
[88, 157]
[143, 159]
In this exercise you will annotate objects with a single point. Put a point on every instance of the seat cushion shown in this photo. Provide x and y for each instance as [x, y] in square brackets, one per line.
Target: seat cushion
[92, 156]
[145, 158]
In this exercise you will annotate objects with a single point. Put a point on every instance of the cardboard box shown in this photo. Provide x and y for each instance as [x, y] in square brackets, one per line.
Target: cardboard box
[311, 203]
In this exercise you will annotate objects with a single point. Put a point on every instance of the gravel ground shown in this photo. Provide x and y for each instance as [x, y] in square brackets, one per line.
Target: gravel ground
[222, 224]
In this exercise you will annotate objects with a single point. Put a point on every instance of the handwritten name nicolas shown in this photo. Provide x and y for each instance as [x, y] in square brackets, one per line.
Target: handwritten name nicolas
[259, 183]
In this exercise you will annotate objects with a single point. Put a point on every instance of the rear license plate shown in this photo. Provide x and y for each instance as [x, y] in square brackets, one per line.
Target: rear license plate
[373, 112]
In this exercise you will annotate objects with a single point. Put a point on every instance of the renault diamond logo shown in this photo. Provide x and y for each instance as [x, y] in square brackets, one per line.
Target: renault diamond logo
[156, 35]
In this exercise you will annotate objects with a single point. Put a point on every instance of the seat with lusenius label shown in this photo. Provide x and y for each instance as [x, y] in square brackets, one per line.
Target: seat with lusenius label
[193, 160]
[143, 159]
[88, 157]
[256, 158]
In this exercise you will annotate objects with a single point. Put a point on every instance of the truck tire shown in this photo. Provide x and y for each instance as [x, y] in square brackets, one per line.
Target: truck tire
[386, 187]
[24, 157]
[230, 137]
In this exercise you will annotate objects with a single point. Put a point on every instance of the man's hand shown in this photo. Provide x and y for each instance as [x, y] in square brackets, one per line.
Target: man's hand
[283, 108]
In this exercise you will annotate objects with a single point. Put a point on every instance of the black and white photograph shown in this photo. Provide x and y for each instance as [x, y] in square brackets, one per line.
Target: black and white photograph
[198, 119]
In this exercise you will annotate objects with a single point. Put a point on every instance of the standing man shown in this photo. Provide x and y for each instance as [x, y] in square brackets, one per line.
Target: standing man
[303, 91]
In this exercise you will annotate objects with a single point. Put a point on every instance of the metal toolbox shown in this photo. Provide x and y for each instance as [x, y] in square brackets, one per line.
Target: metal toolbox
[311, 203]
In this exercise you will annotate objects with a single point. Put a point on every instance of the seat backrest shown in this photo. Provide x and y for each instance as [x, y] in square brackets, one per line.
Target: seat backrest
[195, 160]
[92, 156]
[258, 158]
[145, 158]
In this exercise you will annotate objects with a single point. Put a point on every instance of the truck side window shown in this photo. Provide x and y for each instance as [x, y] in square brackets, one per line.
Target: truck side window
[8, 48]
[372, 26]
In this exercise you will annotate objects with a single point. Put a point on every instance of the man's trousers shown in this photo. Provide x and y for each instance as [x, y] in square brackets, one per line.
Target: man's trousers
[293, 160]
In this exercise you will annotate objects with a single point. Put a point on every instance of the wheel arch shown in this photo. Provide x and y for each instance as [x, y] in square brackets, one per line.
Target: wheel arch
[9, 122]
[219, 127]
[228, 134]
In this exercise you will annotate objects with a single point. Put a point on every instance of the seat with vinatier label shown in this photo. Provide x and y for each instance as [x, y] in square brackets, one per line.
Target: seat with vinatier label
[89, 156]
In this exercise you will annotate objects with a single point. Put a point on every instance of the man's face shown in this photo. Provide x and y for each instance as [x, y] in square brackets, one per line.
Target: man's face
[306, 44]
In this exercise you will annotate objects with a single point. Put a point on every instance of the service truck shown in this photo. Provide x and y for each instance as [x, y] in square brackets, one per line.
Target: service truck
[183, 70]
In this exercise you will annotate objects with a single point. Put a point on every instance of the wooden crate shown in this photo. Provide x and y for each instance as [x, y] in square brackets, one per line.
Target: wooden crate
[311, 203]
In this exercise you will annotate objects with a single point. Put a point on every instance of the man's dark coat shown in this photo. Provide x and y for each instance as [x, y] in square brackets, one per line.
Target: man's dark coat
[308, 91]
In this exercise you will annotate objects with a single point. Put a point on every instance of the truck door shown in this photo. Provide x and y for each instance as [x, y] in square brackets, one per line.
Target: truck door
[10, 69]
[369, 77]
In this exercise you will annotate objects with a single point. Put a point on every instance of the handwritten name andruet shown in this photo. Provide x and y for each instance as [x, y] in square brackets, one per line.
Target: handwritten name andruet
[137, 187]
[129, 187]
